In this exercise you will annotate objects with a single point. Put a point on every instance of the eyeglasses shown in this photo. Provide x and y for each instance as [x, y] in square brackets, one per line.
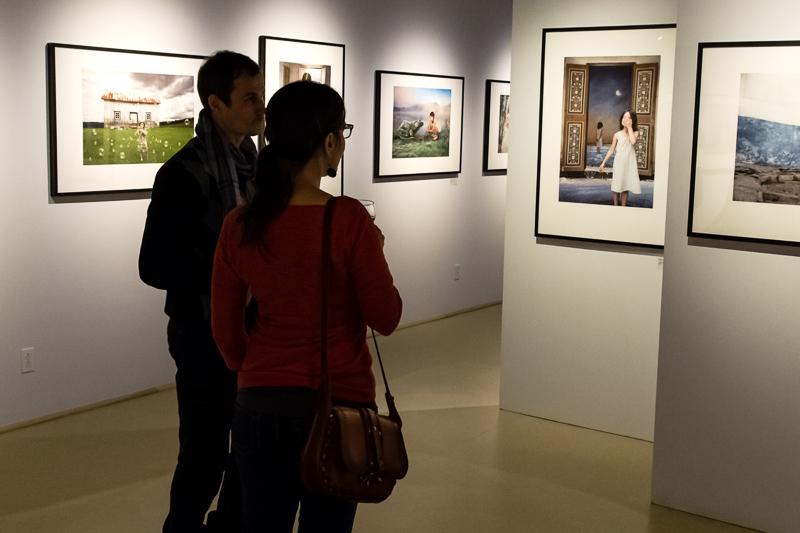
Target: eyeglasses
[347, 130]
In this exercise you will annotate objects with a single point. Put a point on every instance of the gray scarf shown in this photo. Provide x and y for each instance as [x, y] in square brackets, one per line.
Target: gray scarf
[229, 165]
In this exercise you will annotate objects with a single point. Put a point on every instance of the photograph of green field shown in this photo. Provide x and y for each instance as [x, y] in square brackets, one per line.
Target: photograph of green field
[421, 122]
[132, 117]
[105, 146]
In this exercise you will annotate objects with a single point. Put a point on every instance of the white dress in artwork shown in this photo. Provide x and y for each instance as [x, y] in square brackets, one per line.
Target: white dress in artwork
[626, 170]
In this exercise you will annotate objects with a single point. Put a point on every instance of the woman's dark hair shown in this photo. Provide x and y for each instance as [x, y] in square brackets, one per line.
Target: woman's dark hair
[634, 120]
[298, 119]
[432, 114]
[600, 124]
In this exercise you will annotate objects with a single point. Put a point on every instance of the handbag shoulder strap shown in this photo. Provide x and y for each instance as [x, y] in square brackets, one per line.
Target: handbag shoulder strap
[324, 386]
[327, 218]
[393, 414]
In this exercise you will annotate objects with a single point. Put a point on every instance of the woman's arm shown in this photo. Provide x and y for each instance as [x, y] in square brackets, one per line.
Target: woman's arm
[610, 151]
[378, 298]
[633, 136]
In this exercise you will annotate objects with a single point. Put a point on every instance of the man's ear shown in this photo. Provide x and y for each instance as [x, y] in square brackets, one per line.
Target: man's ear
[214, 102]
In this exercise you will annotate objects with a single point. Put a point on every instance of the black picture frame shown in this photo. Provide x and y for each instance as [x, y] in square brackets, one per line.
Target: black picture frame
[495, 126]
[283, 60]
[745, 173]
[82, 162]
[395, 150]
[559, 215]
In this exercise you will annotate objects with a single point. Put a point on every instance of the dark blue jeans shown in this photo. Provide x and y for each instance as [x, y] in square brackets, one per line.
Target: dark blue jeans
[206, 398]
[267, 449]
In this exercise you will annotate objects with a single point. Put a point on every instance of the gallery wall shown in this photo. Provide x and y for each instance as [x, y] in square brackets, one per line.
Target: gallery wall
[727, 429]
[69, 285]
[585, 327]
[580, 320]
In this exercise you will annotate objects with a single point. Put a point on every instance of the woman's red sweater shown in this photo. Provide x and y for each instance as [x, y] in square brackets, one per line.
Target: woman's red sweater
[284, 276]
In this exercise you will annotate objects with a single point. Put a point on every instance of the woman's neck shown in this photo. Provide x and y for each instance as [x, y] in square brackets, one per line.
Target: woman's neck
[306, 186]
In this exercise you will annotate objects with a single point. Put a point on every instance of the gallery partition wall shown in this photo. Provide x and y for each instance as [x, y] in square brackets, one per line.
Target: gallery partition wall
[695, 347]
[581, 314]
[727, 427]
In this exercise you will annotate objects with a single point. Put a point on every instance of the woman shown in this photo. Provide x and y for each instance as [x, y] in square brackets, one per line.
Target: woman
[270, 248]
[599, 136]
[625, 176]
[141, 135]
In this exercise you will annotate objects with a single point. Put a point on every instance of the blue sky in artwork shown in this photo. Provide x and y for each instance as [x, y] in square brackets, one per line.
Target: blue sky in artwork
[408, 96]
[609, 96]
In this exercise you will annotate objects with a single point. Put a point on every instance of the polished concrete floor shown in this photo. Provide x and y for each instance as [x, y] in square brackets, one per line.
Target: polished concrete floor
[474, 468]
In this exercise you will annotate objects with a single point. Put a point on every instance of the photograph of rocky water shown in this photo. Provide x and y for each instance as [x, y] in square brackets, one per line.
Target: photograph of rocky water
[767, 162]
[768, 140]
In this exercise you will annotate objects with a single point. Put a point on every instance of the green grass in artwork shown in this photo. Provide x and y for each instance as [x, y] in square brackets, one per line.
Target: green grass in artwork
[424, 147]
[104, 146]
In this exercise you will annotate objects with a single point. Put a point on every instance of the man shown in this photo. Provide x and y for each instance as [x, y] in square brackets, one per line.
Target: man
[192, 193]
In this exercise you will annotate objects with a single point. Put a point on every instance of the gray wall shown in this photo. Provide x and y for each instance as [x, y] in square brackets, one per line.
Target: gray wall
[728, 411]
[580, 321]
[68, 280]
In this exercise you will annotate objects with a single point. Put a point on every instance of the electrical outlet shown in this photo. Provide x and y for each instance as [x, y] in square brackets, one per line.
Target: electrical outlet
[26, 360]
[456, 272]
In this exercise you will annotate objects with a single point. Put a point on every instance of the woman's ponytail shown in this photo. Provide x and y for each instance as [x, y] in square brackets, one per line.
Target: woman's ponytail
[298, 118]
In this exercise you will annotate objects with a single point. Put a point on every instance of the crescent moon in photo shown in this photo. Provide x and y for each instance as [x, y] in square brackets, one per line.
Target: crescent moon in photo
[619, 93]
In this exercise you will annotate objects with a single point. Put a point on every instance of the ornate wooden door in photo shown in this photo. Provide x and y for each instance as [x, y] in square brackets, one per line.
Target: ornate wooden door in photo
[645, 83]
[573, 155]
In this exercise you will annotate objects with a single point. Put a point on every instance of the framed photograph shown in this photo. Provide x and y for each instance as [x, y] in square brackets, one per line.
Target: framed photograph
[115, 116]
[746, 152]
[286, 60]
[496, 123]
[604, 130]
[418, 124]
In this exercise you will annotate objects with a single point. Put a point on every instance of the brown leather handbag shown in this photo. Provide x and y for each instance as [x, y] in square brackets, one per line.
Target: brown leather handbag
[352, 454]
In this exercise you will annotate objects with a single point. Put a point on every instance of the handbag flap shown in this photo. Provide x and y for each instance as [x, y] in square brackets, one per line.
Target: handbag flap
[371, 443]
[354, 442]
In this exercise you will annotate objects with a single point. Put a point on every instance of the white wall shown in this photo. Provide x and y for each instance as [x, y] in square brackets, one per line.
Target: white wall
[728, 411]
[580, 321]
[69, 285]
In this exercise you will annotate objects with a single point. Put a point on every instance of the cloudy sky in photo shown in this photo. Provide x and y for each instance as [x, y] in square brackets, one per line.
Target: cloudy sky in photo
[175, 92]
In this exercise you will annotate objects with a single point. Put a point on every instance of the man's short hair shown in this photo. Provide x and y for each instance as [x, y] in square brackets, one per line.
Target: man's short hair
[218, 73]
